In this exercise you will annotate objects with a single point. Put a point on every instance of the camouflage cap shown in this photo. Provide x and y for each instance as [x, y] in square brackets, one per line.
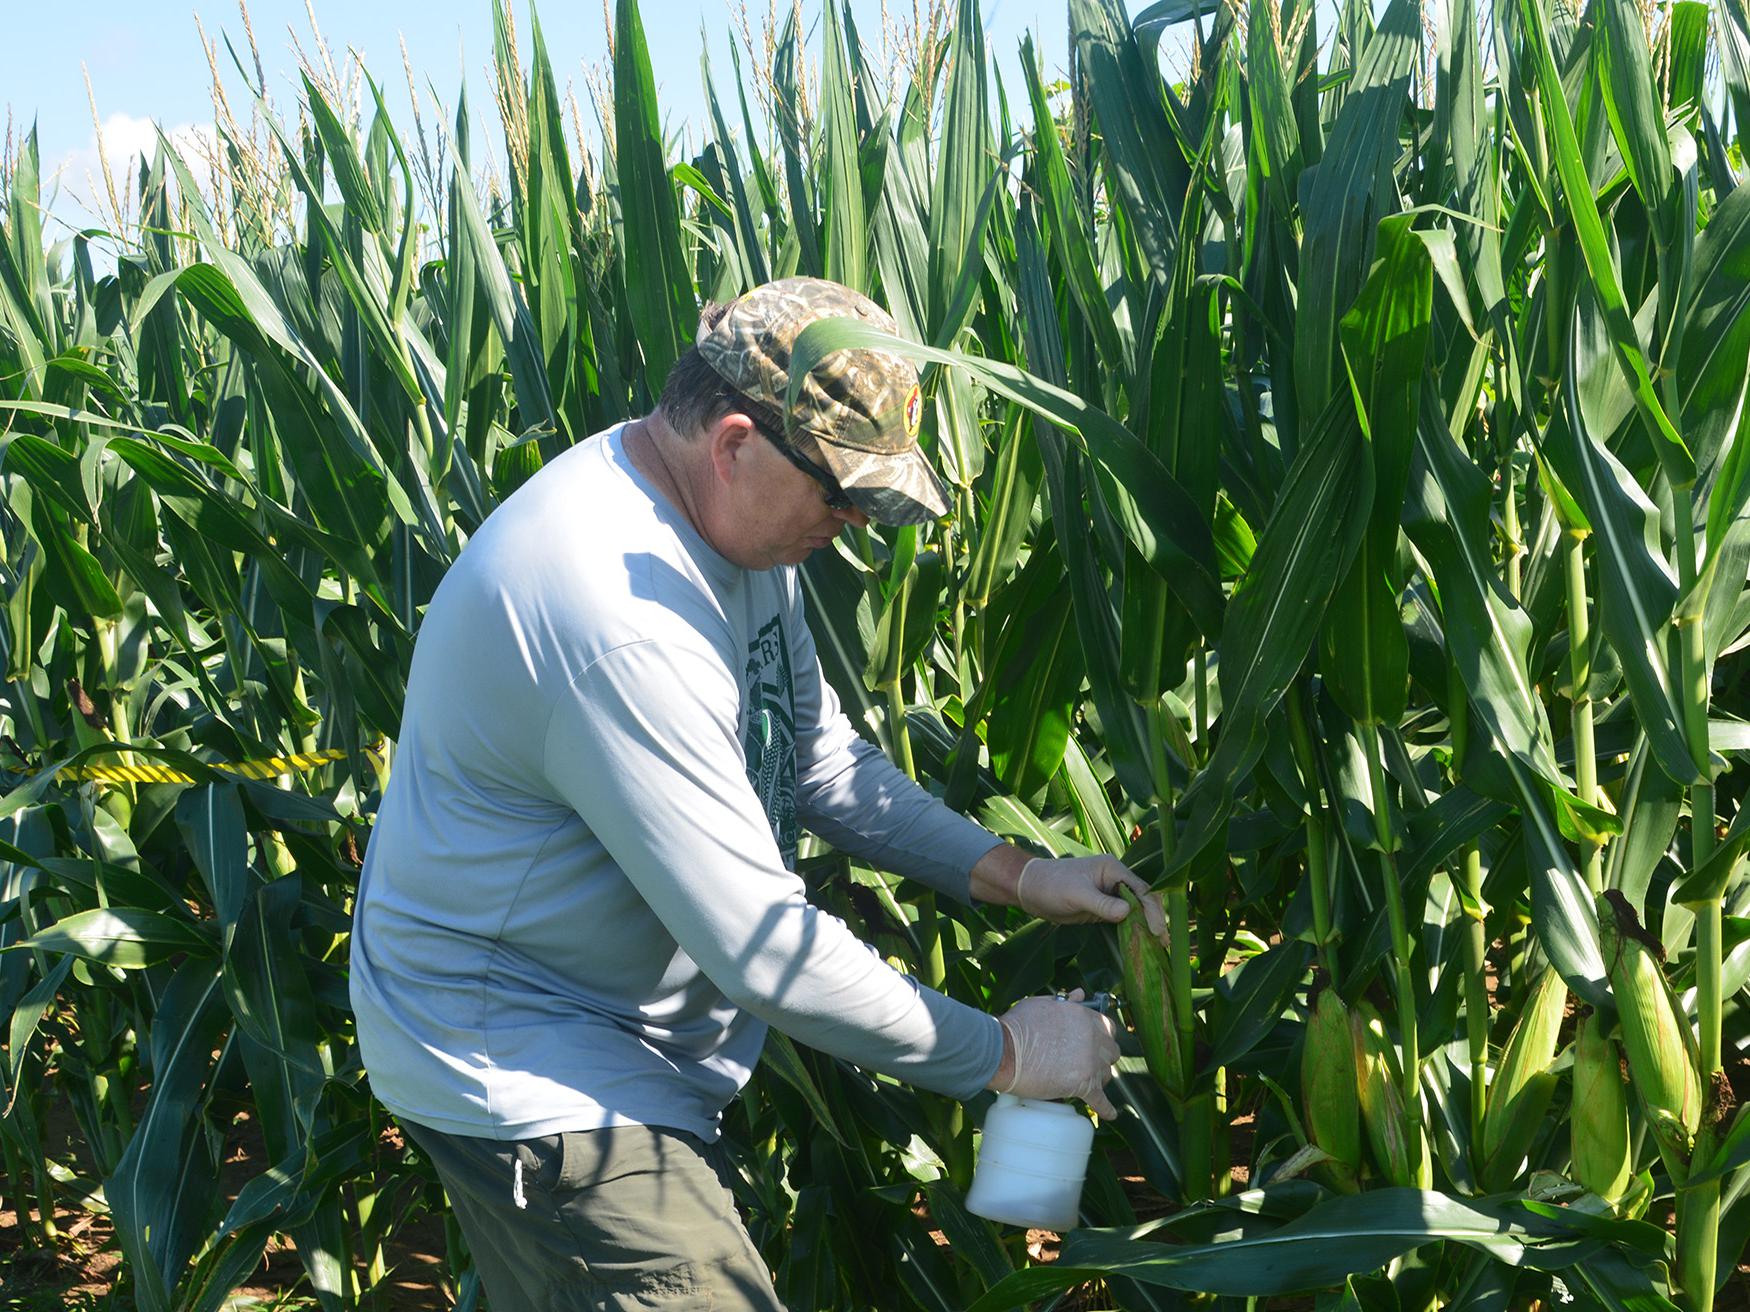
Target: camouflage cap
[857, 411]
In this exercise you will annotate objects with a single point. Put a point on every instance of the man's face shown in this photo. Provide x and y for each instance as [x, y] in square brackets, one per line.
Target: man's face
[774, 513]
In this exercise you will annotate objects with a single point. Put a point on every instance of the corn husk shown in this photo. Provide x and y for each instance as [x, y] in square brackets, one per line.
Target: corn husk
[1522, 1088]
[1598, 1118]
[1401, 1158]
[1148, 989]
[1329, 1092]
[1663, 1061]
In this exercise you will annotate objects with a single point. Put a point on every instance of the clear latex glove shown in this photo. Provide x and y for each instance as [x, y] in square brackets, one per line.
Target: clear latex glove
[1079, 890]
[1061, 1049]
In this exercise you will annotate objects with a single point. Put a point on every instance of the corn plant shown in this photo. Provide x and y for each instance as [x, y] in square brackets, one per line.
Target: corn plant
[1349, 532]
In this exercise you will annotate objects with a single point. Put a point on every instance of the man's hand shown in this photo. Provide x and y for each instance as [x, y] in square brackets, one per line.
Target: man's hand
[1081, 890]
[1057, 1049]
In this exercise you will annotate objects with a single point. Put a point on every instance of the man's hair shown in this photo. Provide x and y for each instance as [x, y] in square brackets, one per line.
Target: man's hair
[694, 395]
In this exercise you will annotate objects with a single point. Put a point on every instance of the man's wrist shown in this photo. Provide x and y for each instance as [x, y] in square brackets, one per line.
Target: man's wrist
[1004, 1079]
[996, 874]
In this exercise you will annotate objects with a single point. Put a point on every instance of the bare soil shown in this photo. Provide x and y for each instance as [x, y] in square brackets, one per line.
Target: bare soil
[80, 1271]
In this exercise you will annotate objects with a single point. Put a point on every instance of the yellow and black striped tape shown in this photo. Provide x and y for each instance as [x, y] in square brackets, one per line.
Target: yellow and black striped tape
[266, 767]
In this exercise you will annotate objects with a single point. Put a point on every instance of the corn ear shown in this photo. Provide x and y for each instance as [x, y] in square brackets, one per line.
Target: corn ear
[1663, 1061]
[1530, 1049]
[1598, 1119]
[1522, 1088]
[1148, 985]
[1519, 1124]
[1329, 1092]
[1402, 1160]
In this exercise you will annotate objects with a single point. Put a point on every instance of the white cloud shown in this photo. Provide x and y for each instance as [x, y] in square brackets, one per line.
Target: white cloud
[74, 185]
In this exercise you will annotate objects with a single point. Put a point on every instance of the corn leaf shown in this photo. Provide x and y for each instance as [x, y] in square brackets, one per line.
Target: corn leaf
[659, 290]
[160, 1194]
[1582, 208]
[1339, 213]
[846, 231]
[1148, 171]
[1336, 1239]
[1364, 652]
[1638, 588]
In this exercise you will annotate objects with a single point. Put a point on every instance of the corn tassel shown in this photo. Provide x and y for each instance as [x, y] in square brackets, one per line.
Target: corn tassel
[1148, 981]
[1520, 1093]
[1328, 1089]
[1598, 1119]
[1663, 1062]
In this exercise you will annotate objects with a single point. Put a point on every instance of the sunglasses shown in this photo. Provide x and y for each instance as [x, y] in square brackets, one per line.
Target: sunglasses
[836, 497]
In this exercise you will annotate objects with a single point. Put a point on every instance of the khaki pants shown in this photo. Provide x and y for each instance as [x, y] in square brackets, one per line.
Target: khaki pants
[625, 1218]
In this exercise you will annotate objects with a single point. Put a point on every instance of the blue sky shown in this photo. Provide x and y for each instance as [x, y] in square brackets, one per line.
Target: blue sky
[146, 64]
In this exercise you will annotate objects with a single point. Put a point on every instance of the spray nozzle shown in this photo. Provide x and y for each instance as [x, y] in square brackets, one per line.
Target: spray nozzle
[1100, 1002]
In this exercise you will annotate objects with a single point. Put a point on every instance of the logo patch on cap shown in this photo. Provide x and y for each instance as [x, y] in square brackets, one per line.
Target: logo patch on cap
[914, 411]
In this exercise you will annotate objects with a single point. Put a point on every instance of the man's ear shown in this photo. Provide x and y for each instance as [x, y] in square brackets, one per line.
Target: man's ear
[729, 436]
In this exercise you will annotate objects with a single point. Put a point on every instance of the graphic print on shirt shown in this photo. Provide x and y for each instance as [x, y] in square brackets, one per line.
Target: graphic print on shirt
[769, 737]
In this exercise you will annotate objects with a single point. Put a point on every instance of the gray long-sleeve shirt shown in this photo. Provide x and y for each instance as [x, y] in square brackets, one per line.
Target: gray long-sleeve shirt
[577, 908]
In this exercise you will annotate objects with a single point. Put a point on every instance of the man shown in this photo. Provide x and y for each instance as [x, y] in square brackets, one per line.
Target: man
[577, 915]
